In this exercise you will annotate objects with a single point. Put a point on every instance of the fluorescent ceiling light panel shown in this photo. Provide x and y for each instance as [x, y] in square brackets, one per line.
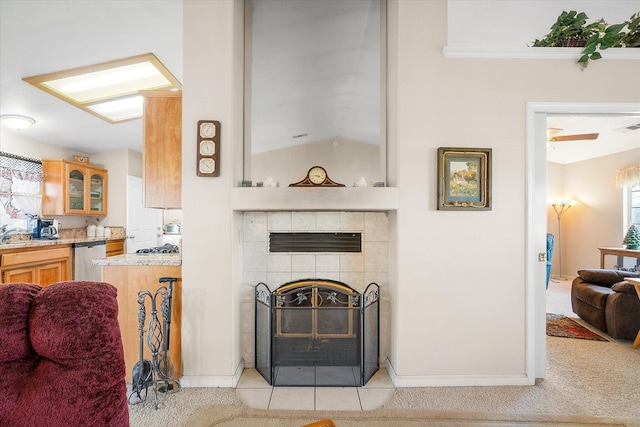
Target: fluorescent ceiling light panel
[110, 83]
[105, 90]
[120, 110]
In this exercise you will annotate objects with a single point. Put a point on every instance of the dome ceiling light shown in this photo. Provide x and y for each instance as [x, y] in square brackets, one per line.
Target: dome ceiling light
[16, 121]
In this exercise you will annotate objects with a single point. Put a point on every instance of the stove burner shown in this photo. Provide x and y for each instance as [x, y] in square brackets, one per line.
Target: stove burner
[167, 248]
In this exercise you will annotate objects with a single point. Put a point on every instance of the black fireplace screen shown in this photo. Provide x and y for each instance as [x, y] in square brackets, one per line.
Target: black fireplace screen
[317, 332]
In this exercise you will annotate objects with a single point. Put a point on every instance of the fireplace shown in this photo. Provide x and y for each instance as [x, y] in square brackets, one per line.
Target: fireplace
[265, 261]
[317, 332]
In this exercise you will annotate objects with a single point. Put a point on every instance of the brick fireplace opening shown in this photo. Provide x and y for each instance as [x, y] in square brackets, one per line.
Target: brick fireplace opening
[317, 332]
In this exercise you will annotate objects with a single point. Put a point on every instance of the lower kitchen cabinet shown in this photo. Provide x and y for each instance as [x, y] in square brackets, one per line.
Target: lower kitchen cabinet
[115, 247]
[129, 280]
[40, 266]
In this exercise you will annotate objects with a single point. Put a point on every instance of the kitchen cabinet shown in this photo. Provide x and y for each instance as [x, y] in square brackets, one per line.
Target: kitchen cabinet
[115, 247]
[72, 188]
[162, 149]
[40, 266]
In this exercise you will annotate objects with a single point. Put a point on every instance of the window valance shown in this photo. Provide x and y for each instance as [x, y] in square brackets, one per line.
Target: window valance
[20, 187]
[628, 177]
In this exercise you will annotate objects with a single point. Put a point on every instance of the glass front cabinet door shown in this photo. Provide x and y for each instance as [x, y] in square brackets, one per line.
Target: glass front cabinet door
[76, 178]
[97, 190]
[86, 190]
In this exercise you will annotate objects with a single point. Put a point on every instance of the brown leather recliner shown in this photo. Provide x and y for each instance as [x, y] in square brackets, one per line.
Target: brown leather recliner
[605, 300]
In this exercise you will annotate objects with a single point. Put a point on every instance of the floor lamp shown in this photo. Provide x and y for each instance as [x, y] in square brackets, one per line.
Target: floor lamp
[561, 207]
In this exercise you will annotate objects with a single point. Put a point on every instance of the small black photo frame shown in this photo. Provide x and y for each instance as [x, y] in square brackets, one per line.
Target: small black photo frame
[464, 178]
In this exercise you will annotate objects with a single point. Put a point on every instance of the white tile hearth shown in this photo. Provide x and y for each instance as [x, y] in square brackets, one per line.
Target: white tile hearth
[296, 398]
[255, 392]
[337, 399]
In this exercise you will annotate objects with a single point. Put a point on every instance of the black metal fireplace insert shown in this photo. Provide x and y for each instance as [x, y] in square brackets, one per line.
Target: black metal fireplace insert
[317, 332]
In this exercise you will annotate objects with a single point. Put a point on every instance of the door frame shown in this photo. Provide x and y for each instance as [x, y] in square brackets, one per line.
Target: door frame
[536, 219]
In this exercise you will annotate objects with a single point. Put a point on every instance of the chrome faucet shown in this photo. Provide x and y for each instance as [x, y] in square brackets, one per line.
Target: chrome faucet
[5, 231]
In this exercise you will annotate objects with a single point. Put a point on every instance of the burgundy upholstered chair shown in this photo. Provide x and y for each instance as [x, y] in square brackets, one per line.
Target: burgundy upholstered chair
[61, 356]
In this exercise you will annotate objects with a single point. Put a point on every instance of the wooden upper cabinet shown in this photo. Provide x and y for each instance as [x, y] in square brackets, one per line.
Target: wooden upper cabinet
[72, 188]
[162, 149]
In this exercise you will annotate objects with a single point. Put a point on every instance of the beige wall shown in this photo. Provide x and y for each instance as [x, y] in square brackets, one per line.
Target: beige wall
[211, 251]
[598, 218]
[470, 102]
[15, 143]
[555, 191]
[456, 278]
[119, 163]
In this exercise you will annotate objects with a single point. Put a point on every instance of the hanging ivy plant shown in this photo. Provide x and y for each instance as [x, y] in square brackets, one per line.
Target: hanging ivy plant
[569, 30]
[609, 36]
[572, 30]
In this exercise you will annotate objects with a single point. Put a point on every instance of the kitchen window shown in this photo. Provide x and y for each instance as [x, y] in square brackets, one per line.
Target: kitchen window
[20, 190]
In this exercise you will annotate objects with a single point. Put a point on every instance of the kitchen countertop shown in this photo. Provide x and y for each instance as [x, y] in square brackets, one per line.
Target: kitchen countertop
[140, 259]
[126, 259]
[52, 242]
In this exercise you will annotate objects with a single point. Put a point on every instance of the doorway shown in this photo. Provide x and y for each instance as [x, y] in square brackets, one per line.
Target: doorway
[144, 225]
[536, 223]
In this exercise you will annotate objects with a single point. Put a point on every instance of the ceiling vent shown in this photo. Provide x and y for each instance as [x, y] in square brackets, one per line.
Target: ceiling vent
[629, 128]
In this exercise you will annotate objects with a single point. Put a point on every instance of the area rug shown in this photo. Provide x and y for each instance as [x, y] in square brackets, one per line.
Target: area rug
[234, 416]
[563, 326]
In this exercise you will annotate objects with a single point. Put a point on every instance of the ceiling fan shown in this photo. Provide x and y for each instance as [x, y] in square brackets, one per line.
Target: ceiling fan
[552, 136]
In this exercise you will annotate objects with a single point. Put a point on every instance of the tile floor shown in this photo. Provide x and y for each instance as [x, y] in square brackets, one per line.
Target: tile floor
[255, 392]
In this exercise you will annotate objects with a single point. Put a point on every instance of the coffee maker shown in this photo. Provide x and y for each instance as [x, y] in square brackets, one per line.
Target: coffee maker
[45, 229]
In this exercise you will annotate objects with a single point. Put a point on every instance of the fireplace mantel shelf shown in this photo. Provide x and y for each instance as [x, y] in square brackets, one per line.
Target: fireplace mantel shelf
[314, 199]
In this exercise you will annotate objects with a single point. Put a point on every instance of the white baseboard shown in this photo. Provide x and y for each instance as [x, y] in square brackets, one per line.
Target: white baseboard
[401, 381]
[226, 381]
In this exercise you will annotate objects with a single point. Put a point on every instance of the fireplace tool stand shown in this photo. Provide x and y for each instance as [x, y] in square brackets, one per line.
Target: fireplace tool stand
[158, 371]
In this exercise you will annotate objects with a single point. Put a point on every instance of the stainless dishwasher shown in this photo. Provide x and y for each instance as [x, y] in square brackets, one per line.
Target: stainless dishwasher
[83, 254]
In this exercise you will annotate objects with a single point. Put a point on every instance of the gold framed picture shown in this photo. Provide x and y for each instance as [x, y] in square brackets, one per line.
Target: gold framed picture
[464, 178]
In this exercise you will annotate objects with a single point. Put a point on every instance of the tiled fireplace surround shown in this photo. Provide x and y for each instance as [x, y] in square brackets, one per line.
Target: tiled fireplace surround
[355, 269]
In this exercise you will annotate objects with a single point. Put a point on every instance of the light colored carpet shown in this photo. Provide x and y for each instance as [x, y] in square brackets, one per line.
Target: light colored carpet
[226, 416]
[588, 383]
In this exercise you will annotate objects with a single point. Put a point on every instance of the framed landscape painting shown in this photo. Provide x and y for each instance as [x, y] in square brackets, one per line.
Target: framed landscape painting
[464, 178]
